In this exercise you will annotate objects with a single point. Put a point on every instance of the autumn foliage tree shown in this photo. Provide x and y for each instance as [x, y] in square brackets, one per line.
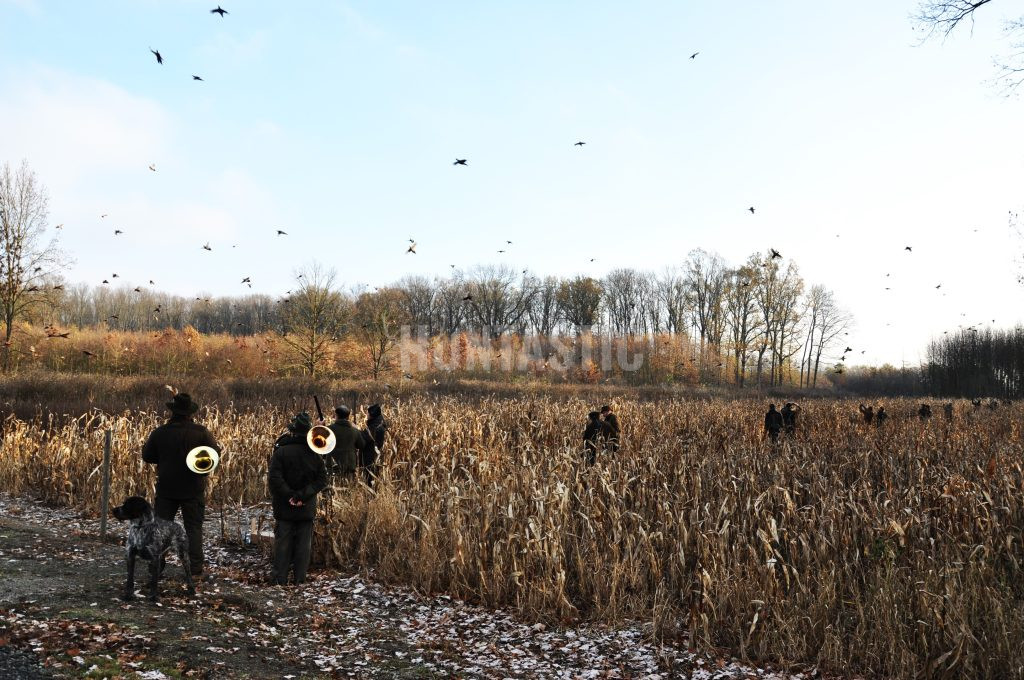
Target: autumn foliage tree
[29, 262]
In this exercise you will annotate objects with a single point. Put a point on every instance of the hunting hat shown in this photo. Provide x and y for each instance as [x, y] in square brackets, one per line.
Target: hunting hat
[374, 410]
[343, 412]
[300, 424]
[606, 408]
[594, 415]
[182, 404]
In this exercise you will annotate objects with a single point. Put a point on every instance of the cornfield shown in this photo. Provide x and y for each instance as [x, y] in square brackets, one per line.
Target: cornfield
[892, 550]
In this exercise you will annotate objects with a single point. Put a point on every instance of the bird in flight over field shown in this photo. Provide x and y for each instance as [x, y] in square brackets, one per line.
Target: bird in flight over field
[156, 53]
[207, 246]
[909, 249]
[282, 233]
[468, 298]
[412, 248]
[219, 11]
[117, 231]
[579, 143]
[694, 55]
[459, 161]
[751, 209]
[246, 280]
[152, 166]
[775, 253]
[195, 77]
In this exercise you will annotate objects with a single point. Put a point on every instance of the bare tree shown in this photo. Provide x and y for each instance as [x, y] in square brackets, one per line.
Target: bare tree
[313, 317]
[498, 304]
[27, 260]
[704, 284]
[450, 306]
[942, 17]
[622, 290]
[418, 297]
[741, 318]
[544, 313]
[378, 323]
[671, 291]
[831, 322]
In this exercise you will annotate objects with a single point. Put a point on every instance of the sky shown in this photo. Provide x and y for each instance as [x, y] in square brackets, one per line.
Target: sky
[339, 123]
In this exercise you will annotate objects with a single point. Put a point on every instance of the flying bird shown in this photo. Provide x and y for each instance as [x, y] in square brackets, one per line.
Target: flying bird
[468, 298]
[694, 55]
[195, 77]
[909, 249]
[103, 215]
[579, 143]
[412, 248]
[246, 280]
[219, 11]
[105, 281]
[156, 53]
[152, 166]
[59, 226]
[459, 161]
[207, 246]
[775, 253]
[938, 286]
[88, 353]
[137, 289]
[848, 349]
[751, 209]
[282, 233]
[117, 231]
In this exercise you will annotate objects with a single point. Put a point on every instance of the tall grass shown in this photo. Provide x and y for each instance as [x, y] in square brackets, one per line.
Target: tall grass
[893, 551]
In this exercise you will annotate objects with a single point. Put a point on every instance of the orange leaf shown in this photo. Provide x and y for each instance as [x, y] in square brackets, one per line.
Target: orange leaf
[73, 651]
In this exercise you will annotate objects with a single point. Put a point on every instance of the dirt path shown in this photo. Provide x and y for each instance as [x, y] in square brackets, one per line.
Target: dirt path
[60, 616]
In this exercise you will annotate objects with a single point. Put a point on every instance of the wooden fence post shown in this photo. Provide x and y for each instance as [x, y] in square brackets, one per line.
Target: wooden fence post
[106, 486]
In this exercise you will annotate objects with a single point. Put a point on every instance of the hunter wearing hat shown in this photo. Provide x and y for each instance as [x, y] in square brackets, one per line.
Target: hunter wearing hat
[177, 487]
[297, 474]
[348, 440]
[374, 434]
[612, 431]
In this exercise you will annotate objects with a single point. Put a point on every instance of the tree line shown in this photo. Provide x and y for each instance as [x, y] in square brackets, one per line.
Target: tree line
[977, 363]
[757, 321]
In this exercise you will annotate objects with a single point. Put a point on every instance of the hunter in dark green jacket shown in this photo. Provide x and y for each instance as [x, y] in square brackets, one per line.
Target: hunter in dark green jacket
[348, 443]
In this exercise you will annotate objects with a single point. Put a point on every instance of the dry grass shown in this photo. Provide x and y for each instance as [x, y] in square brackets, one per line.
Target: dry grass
[893, 552]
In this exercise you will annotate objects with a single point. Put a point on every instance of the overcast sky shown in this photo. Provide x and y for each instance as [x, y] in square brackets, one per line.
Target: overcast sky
[339, 123]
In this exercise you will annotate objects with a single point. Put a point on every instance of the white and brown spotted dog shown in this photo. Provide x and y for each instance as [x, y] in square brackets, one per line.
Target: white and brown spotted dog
[151, 538]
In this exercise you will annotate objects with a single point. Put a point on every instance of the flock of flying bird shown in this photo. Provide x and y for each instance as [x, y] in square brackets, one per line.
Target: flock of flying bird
[53, 332]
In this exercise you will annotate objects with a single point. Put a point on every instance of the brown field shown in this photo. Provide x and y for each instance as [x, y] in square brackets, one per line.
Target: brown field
[893, 552]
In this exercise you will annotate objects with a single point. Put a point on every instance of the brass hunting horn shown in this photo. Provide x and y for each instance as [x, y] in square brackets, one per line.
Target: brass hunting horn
[320, 438]
[202, 460]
